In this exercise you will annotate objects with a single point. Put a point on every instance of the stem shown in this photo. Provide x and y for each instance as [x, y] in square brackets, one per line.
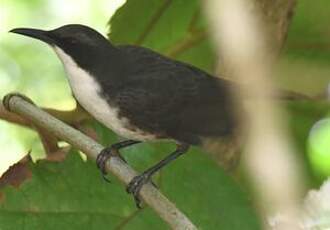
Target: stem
[150, 195]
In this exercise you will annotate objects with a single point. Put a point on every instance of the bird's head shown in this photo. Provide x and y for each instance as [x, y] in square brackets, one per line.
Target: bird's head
[81, 43]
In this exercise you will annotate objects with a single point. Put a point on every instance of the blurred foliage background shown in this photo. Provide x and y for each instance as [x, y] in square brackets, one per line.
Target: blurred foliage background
[32, 68]
[194, 183]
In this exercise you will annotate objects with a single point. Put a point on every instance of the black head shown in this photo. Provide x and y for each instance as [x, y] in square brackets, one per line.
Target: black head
[82, 43]
[64, 36]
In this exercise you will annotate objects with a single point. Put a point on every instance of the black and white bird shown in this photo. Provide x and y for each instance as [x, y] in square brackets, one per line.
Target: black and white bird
[140, 94]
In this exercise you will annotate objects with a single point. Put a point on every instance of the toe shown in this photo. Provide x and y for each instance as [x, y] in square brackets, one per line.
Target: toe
[102, 158]
[100, 161]
[136, 185]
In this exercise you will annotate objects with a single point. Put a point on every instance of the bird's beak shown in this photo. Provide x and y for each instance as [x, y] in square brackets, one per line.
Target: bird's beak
[42, 35]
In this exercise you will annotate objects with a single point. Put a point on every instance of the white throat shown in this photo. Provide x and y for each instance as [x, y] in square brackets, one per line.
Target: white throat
[75, 74]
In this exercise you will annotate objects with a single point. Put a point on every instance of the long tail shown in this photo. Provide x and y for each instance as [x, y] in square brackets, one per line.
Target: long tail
[226, 151]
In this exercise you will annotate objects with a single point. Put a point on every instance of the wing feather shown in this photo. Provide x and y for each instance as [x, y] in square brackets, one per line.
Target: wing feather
[174, 99]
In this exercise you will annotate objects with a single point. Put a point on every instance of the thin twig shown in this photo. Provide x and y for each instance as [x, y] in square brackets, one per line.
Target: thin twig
[190, 40]
[49, 141]
[12, 117]
[73, 117]
[150, 195]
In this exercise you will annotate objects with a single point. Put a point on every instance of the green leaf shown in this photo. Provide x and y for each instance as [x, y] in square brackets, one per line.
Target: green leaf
[194, 183]
[175, 28]
[208, 195]
[73, 195]
[67, 195]
[308, 36]
[305, 68]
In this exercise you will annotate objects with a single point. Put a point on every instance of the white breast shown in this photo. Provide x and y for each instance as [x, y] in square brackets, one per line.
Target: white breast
[86, 90]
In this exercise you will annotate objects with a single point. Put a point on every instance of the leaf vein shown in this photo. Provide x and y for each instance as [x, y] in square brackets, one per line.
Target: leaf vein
[153, 22]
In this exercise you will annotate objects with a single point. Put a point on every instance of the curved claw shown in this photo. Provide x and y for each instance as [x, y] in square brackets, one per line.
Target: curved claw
[105, 178]
[135, 186]
[102, 158]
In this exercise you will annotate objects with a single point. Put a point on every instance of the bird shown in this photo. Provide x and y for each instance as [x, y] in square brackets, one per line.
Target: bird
[140, 94]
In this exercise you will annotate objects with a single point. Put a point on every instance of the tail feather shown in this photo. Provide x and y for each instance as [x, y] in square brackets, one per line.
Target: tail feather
[225, 151]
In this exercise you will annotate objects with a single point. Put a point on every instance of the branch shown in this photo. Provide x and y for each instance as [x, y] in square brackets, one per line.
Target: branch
[12, 117]
[73, 117]
[150, 195]
[241, 38]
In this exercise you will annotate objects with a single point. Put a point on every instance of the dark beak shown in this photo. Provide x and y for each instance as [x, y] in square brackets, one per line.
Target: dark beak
[42, 35]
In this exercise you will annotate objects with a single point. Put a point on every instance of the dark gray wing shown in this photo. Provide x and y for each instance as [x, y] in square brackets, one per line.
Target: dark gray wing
[175, 100]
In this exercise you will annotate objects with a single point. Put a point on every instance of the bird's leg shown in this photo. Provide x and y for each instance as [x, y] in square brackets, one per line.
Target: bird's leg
[137, 182]
[112, 151]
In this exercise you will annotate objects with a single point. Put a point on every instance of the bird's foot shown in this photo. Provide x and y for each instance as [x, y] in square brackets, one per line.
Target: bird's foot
[103, 157]
[6, 99]
[136, 184]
